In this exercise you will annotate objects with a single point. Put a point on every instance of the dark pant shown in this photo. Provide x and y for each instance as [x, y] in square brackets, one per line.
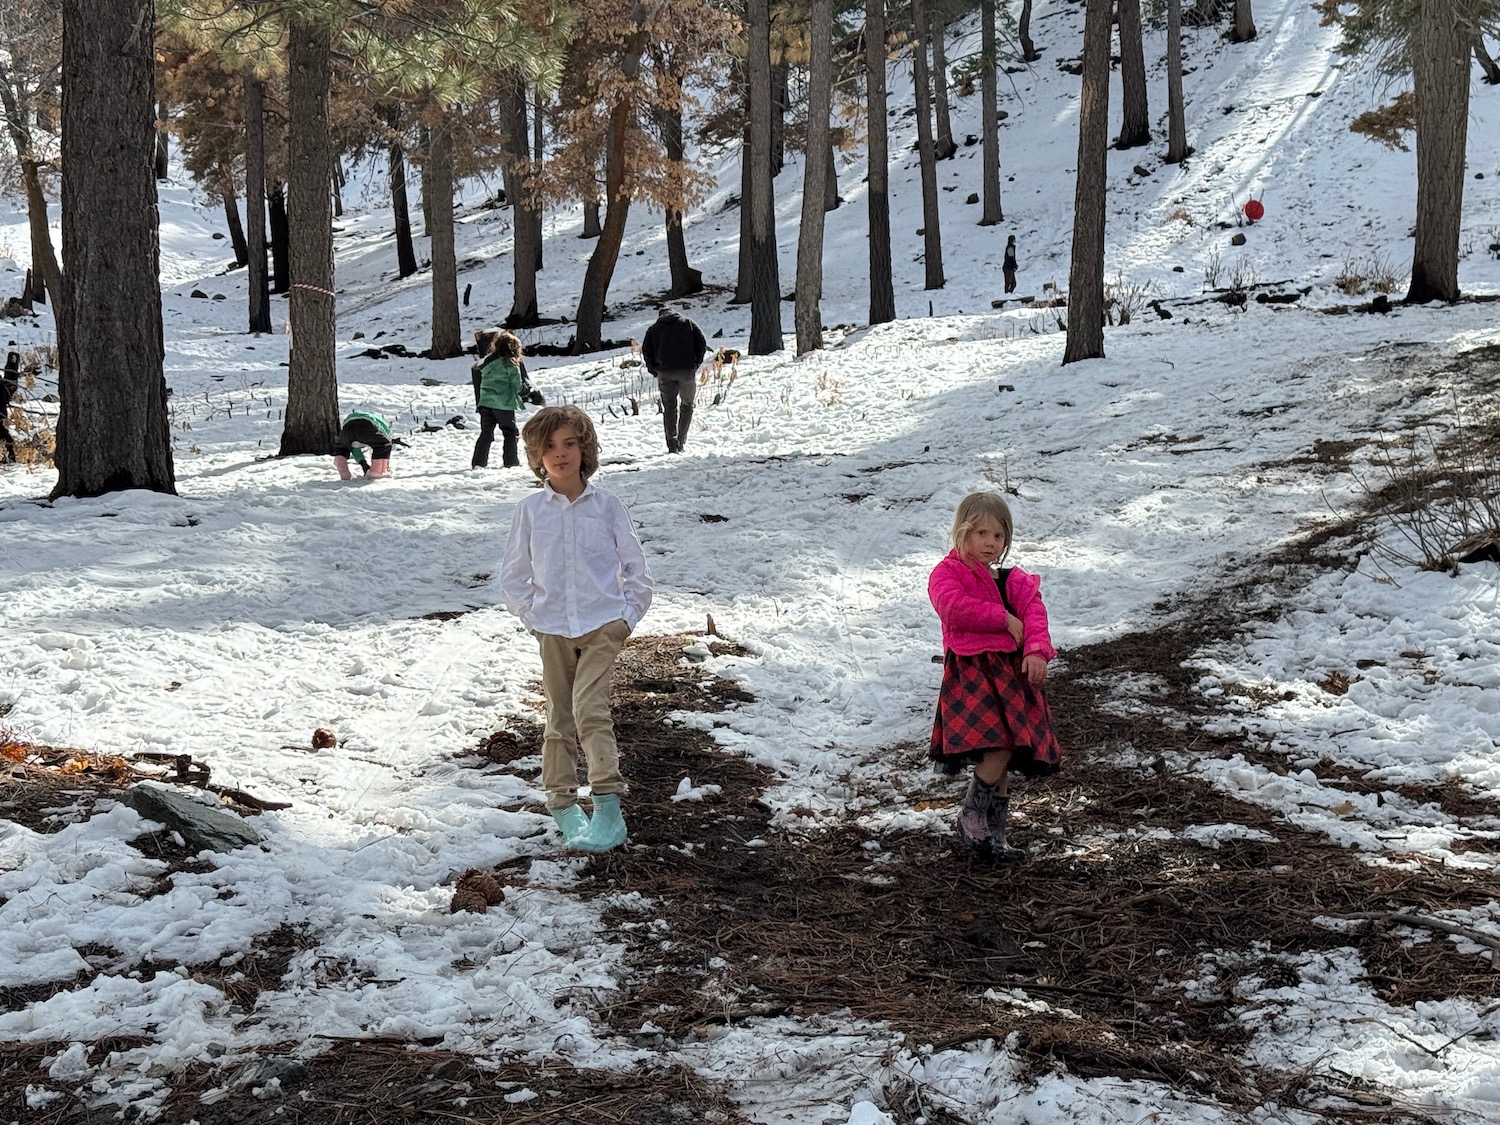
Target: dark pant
[677, 387]
[1010, 281]
[489, 418]
[361, 431]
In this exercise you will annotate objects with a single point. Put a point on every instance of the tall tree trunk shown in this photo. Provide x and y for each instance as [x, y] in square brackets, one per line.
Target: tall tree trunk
[1244, 24]
[1440, 67]
[1086, 270]
[312, 391]
[395, 159]
[45, 270]
[112, 429]
[1177, 146]
[601, 267]
[1486, 63]
[1135, 126]
[991, 212]
[831, 198]
[524, 211]
[536, 156]
[807, 312]
[162, 154]
[937, 29]
[232, 217]
[1029, 53]
[765, 270]
[747, 201]
[281, 238]
[781, 98]
[878, 198]
[446, 341]
[932, 236]
[685, 279]
[255, 204]
[424, 143]
[593, 226]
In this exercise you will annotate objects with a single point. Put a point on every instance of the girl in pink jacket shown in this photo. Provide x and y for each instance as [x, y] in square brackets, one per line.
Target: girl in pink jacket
[991, 711]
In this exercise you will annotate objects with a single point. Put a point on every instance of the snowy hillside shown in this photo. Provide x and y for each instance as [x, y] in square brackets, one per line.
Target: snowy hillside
[1269, 728]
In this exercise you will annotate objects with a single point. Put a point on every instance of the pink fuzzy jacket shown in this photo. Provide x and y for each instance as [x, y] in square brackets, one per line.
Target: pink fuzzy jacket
[968, 603]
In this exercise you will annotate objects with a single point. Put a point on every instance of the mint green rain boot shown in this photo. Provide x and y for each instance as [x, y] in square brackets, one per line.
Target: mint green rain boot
[573, 822]
[606, 829]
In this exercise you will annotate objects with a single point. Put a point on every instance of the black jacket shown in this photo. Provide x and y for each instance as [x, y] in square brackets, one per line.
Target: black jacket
[673, 344]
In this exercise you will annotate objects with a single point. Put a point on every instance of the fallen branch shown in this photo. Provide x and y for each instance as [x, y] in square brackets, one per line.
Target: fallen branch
[1423, 922]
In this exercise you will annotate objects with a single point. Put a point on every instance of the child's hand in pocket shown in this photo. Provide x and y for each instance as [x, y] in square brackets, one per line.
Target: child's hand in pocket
[1014, 626]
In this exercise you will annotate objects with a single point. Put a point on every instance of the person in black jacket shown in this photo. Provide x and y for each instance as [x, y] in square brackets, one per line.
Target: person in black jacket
[672, 350]
[1009, 265]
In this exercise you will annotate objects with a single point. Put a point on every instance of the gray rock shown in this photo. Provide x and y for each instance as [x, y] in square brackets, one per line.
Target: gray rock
[201, 826]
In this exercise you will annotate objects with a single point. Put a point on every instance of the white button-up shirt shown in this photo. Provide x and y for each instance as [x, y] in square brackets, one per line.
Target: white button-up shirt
[572, 566]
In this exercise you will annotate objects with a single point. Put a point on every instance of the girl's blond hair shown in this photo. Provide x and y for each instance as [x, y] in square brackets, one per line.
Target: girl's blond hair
[546, 422]
[977, 506]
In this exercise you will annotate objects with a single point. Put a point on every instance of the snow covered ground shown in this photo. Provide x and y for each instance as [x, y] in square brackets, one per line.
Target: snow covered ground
[268, 598]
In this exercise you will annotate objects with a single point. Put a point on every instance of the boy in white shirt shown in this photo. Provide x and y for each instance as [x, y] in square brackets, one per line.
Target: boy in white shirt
[575, 574]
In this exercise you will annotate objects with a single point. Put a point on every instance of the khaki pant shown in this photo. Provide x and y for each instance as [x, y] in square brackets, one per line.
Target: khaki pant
[576, 675]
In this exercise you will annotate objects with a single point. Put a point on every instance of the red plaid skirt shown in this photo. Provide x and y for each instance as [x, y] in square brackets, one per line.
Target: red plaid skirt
[986, 703]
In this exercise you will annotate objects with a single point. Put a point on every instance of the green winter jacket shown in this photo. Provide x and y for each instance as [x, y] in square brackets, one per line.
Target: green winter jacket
[499, 384]
[377, 420]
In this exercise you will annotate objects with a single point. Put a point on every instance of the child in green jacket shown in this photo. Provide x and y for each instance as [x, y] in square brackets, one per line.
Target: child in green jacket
[499, 379]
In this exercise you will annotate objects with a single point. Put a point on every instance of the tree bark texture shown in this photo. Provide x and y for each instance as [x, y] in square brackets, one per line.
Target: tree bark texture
[255, 205]
[1135, 124]
[593, 225]
[685, 279]
[932, 238]
[878, 198]
[1086, 269]
[1177, 147]
[163, 153]
[991, 212]
[807, 312]
[446, 340]
[1029, 53]
[281, 237]
[1244, 23]
[781, 97]
[112, 429]
[311, 423]
[525, 215]
[536, 156]
[765, 270]
[232, 217]
[1440, 67]
[406, 251]
[937, 30]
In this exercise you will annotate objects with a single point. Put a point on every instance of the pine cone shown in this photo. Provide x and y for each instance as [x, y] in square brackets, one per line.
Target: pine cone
[467, 898]
[482, 881]
[324, 739]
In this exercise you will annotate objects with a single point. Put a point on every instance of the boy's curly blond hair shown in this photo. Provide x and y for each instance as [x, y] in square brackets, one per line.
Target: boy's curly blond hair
[546, 422]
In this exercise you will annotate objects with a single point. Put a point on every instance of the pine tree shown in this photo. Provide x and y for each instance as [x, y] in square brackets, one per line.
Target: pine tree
[112, 429]
[932, 238]
[807, 312]
[1086, 268]
[878, 200]
[1135, 127]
